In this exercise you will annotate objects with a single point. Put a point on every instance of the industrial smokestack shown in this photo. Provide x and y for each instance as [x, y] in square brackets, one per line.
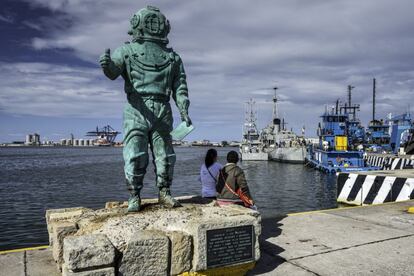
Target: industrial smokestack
[350, 87]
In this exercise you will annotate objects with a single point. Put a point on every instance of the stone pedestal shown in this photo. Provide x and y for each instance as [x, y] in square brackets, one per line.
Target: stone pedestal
[198, 237]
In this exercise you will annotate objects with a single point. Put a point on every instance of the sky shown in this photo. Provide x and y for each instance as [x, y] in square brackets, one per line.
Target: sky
[51, 82]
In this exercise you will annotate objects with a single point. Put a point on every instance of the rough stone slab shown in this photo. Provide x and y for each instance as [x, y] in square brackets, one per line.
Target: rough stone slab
[96, 218]
[40, 263]
[241, 210]
[12, 264]
[60, 232]
[64, 214]
[181, 252]
[315, 233]
[392, 257]
[147, 253]
[107, 271]
[88, 251]
[198, 229]
[60, 215]
[144, 201]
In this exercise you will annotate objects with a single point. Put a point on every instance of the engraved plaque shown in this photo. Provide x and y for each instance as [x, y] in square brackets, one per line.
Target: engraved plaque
[230, 246]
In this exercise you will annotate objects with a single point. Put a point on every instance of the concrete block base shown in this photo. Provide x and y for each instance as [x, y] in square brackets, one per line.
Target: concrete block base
[196, 238]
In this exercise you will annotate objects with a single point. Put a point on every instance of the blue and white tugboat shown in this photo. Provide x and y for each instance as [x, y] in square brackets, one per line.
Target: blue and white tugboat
[335, 151]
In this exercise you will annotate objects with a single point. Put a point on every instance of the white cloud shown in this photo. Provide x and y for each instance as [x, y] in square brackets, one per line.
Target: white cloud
[57, 91]
[233, 48]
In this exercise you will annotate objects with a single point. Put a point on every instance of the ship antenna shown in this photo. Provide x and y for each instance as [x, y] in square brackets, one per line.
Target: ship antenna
[373, 98]
[350, 87]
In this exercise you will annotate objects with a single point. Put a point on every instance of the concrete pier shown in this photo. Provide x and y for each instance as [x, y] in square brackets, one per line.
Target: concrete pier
[368, 240]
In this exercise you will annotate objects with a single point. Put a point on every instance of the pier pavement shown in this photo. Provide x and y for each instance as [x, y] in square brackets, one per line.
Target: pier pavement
[368, 240]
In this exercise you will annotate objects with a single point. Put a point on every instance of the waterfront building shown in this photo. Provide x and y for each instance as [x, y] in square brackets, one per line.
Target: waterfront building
[32, 140]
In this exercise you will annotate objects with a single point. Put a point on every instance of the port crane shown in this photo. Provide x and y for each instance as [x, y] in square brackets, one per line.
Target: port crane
[105, 133]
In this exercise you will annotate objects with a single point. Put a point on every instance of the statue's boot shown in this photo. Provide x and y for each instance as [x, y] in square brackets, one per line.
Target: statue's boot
[134, 201]
[165, 198]
[134, 204]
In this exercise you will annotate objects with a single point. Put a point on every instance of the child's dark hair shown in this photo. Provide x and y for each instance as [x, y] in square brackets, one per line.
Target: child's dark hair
[232, 157]
[210, 157]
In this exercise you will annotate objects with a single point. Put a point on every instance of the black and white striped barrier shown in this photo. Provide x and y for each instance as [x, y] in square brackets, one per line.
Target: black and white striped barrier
[366, 189]
[390, 162]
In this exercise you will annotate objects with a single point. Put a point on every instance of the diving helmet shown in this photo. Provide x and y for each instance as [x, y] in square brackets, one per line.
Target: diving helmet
[149, 24]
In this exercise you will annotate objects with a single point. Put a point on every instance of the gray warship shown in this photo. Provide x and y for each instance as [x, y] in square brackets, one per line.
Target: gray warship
[281, 144]
[251, 146]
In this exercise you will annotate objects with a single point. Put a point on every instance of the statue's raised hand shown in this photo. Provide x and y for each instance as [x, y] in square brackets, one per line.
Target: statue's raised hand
[109, 68]
[105, 59]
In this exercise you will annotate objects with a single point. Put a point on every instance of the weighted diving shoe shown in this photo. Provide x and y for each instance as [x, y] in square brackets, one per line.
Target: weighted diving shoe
[134, 204]
[165, 198]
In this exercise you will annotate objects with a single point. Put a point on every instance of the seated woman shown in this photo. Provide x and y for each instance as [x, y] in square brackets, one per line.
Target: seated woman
[232, 185]
[208, 174]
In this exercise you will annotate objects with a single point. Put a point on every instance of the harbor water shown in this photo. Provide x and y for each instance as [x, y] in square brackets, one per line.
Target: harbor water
[33, 180]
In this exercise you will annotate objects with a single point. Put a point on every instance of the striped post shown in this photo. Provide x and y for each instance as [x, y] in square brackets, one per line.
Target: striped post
[363, 189]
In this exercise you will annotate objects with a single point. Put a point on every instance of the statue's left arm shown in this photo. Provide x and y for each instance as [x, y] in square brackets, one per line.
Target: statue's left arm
[180, 91]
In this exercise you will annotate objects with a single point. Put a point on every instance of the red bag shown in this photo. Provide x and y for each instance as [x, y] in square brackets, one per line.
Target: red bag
[248, 202]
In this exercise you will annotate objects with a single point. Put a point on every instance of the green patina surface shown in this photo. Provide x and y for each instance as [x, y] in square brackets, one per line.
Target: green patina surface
[153, 73]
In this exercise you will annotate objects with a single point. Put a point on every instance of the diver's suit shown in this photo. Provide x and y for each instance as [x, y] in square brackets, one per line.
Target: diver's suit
[152, 73]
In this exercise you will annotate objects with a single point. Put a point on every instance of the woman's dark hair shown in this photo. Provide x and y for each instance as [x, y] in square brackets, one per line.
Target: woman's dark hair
[232, 157]
[210, 156]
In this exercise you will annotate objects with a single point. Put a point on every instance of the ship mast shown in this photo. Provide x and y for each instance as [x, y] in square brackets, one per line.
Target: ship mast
[350, 87]
[373, 98]
[275, 111]
[250, 119]
[250, 113]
